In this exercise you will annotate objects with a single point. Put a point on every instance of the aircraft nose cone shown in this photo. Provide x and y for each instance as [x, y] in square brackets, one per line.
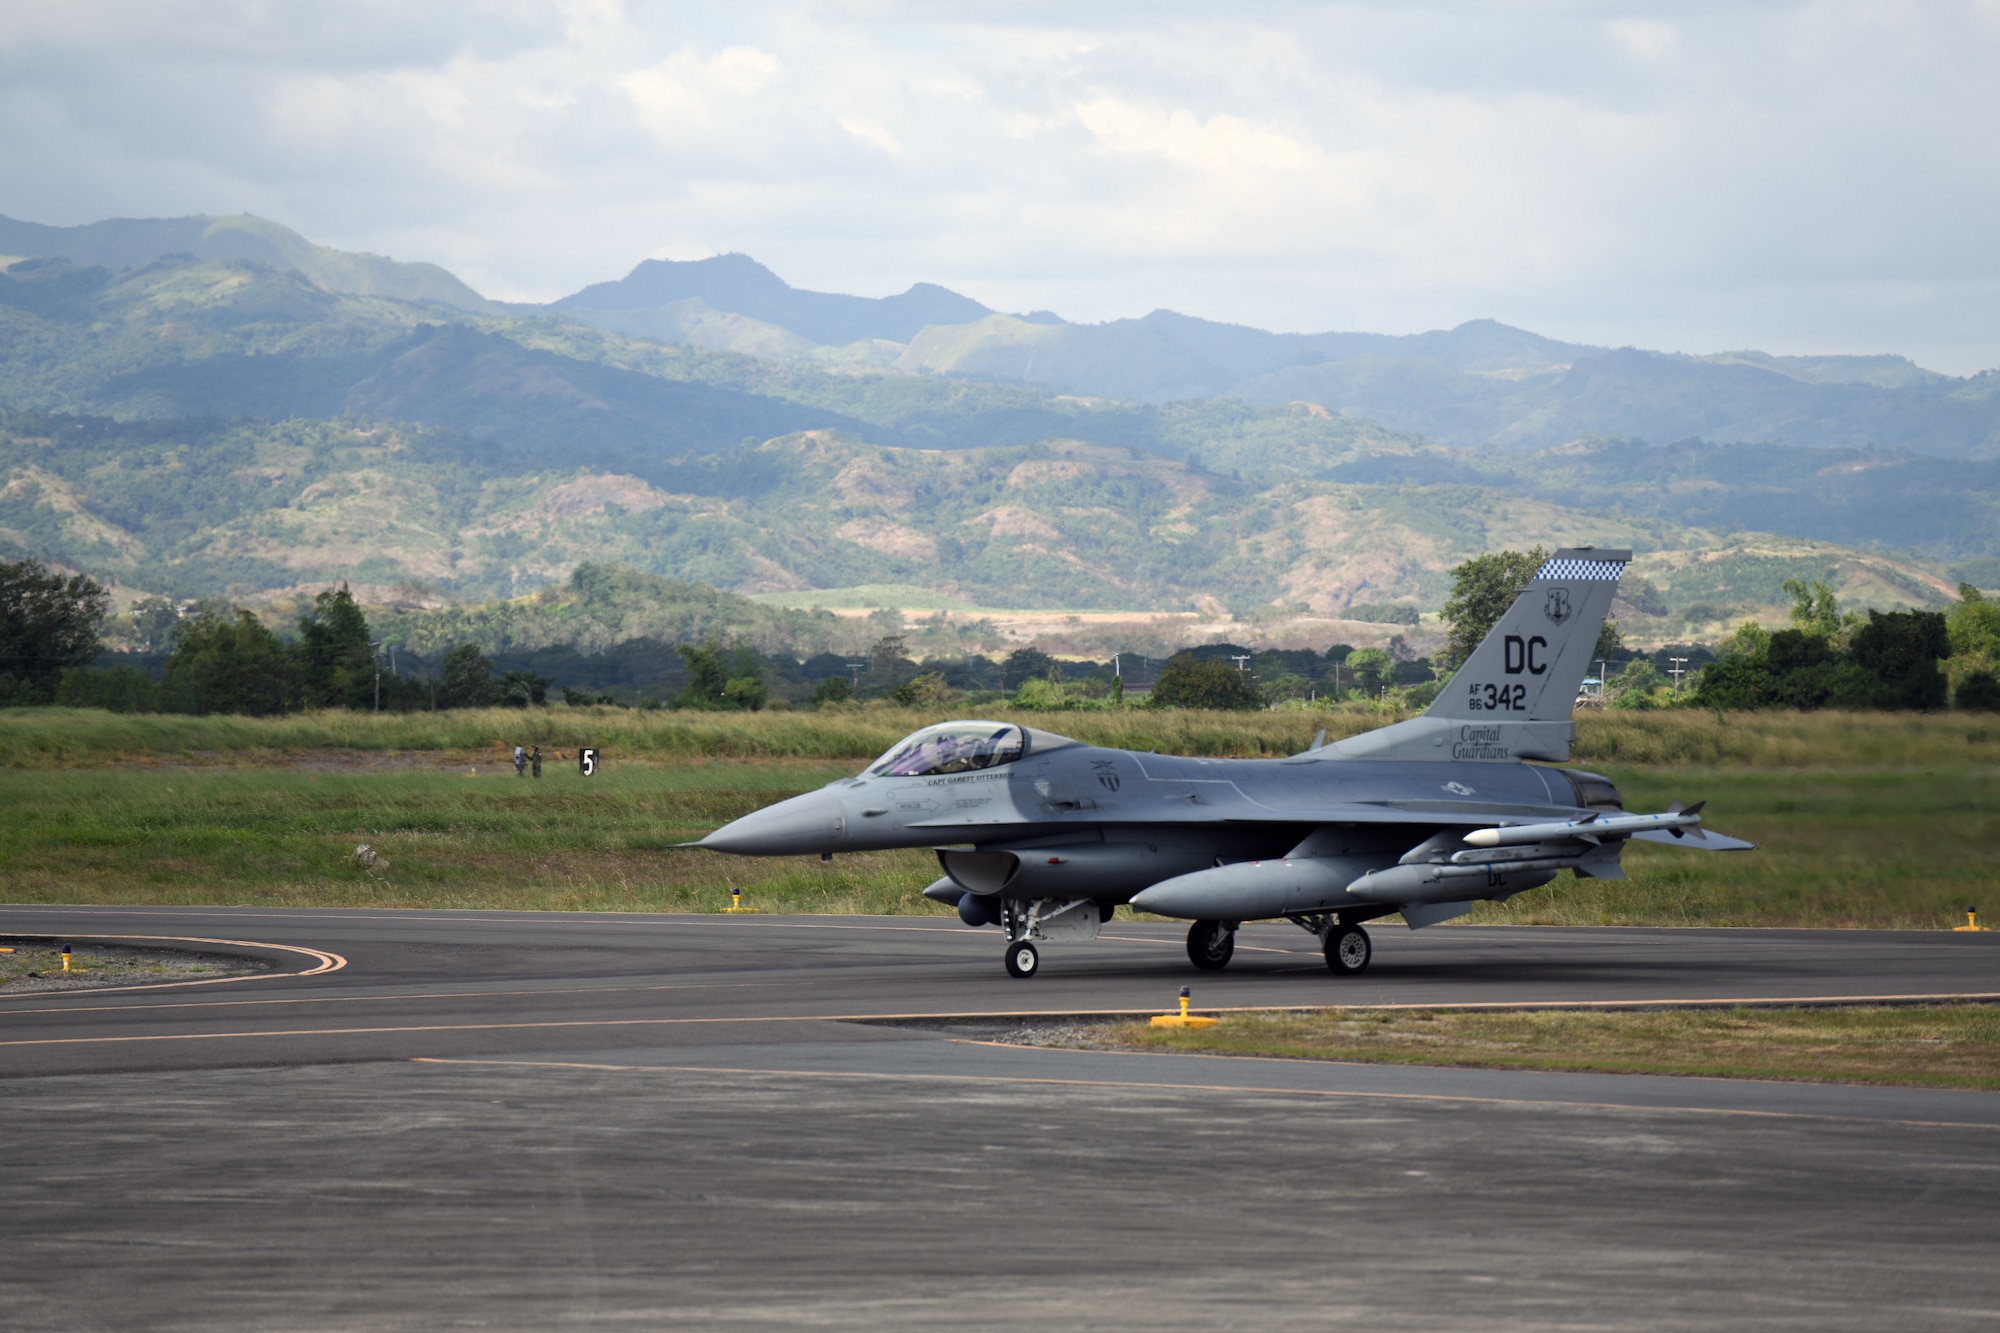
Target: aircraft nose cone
[808, 823]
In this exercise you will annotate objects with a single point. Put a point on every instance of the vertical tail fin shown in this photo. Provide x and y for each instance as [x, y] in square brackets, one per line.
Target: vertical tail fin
[1514, 696]
[1530, 665]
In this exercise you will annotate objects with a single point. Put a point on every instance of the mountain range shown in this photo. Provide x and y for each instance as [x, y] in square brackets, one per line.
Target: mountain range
[216, 404]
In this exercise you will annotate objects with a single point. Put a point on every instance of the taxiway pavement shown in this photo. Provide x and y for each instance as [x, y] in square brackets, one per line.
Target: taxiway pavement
[515, 1120]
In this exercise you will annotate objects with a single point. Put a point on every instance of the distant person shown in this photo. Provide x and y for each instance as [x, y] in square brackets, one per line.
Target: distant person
[535, 759]
[520, 761]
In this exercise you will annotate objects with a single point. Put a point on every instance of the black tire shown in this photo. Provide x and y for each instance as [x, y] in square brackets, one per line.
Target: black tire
[1022, 959]
[1348, 950]
[1211, 944]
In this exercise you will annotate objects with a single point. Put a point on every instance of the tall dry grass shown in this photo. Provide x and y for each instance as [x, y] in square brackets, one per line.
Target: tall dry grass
[40, 737]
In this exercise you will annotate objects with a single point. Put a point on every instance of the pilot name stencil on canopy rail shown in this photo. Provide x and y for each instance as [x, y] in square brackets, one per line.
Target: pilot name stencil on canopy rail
[1424, 817]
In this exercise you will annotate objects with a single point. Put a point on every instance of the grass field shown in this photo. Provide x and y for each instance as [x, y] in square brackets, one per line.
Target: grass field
[41, 737]
[1948, 1046]
[1868, 820]
[470, 836]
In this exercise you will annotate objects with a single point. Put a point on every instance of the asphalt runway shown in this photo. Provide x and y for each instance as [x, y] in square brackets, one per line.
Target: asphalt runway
[515, 1120]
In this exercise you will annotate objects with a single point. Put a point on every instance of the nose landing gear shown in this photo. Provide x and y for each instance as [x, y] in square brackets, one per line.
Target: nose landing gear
[1048, 921]
[1022, 959]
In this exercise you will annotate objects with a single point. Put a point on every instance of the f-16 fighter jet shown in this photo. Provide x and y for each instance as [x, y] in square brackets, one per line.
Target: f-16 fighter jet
[1043, 836]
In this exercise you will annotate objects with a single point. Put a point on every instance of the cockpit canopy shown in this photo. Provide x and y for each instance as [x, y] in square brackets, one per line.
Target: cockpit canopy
[952, 747]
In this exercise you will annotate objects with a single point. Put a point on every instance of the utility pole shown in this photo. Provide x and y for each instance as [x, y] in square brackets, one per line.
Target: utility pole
[1242, 663]
[377, 647]
[1677, 673]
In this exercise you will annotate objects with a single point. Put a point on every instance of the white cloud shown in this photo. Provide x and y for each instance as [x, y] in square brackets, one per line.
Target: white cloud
[1796, 174]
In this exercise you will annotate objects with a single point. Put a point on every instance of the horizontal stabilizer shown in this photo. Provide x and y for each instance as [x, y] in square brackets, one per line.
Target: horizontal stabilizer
[1710, 840]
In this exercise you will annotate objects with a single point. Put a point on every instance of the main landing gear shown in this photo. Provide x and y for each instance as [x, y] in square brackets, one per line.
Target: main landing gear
[1346, 944]
[1347, 950]
[1211, 944]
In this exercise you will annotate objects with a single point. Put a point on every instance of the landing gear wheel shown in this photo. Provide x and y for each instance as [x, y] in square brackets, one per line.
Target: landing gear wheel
[1348, 950]
[1211, 944]
[1022, 960]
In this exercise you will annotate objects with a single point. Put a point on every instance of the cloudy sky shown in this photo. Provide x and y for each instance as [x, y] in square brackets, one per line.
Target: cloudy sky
[1800, 177]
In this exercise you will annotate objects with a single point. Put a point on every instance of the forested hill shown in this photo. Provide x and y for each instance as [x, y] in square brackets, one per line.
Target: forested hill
[226, 425]
[413, 514]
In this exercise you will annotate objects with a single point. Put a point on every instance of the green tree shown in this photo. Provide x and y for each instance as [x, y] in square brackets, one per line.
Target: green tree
[336, 661]
[1815, 610]
[1370, 669]
[1025, 664]
[523, 689]
[1733, 681]
[465, 680]
[747, 692]
[1187, 682]
[888, 665]
[47, 623]
[833, 690]
[1609, 642]
[722, 677]
[1974, 625]
[1901, 649]
[225, 661]
[1284, 685]
[1751, 640]
[1481, 591]
[153, 621]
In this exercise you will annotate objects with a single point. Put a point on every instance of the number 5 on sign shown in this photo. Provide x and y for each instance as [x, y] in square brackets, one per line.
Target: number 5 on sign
[586, 761]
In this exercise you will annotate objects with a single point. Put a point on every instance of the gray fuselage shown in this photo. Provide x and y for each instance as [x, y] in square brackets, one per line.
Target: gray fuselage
[1104, 824]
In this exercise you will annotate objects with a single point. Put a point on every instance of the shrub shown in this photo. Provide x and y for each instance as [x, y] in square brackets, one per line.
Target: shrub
[922, 691]
[1187, 683]
[1736, 681]
[117, 689]
[1979, 692]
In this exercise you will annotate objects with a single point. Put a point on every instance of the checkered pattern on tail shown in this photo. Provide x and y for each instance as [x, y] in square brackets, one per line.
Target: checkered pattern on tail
[1573, 570]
